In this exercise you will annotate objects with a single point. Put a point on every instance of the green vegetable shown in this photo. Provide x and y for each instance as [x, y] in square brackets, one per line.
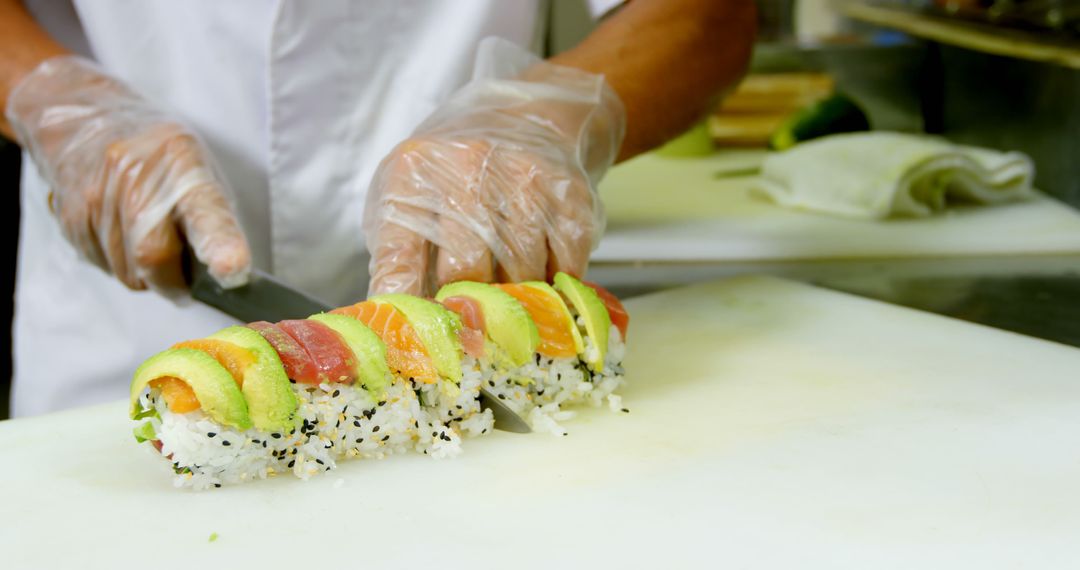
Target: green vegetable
[145, 432]
[836, 114]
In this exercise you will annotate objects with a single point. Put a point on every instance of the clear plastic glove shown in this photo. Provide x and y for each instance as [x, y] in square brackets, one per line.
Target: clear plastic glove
[499, 183]
[129, 184]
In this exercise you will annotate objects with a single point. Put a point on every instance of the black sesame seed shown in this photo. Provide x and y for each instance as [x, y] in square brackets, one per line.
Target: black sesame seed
[294, 451]
[483, 431]
[626, 410]
[319, 461]
[434, 434]
[264, 444]
[225, 442]
[492, 383]
[385, 437]
[217, 485]
[416, 424]
[335, 394]
[356, 423]
[459, 407]
[376, 428]
[210, 434]
[502, 396]
[359, 440]
[291, 463]
[382, 403]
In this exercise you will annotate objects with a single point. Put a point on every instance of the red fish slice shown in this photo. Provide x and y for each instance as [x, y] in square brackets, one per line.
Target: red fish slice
[334, 362]
[298, 363]
[619, 317]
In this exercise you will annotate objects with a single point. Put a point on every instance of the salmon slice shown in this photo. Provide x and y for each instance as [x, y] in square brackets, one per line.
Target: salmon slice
[179, 397]
[472, 316]
[405, 353]
[556, 338]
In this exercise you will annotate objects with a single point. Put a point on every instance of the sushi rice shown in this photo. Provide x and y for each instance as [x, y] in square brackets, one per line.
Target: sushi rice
[336, 421]
[542, 391]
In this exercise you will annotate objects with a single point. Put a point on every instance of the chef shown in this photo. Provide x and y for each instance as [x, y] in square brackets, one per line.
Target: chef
[296, 137]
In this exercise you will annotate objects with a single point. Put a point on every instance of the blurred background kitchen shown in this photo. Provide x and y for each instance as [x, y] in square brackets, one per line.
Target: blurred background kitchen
[1002, 74]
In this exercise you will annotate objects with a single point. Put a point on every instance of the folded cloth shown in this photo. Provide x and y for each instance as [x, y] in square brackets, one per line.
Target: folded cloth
[877, 175]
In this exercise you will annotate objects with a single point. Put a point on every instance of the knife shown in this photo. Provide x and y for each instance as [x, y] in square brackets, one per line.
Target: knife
[265, 298]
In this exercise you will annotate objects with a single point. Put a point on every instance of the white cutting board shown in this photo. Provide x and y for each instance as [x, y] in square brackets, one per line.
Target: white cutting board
[772, 425]
[676, 209]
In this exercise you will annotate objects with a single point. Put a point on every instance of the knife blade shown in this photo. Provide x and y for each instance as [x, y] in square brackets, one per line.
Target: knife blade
[265, 298]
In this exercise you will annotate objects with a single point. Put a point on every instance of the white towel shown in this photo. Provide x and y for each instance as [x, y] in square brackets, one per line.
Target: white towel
[878, 174]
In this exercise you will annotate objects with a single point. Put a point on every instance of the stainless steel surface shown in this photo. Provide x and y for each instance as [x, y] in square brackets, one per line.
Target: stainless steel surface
[265, 298]
[1037, 296]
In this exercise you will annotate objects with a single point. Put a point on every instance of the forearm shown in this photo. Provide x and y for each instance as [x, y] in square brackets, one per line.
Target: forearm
[23, 45]
[669, 61]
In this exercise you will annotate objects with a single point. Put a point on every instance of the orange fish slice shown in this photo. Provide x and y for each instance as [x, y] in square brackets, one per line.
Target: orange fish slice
[556, 338]
[179, 397]
[405, 353]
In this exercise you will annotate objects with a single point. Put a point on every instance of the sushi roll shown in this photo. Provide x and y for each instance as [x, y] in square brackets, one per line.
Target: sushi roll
[257, 401]
[548, 348]
[430, 350]
[385, 376]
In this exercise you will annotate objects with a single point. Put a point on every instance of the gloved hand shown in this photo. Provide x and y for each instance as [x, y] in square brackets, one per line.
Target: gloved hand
[128, 182]
[500, 182]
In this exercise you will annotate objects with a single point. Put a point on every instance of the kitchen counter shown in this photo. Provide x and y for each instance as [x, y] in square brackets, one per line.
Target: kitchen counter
[1013, 267]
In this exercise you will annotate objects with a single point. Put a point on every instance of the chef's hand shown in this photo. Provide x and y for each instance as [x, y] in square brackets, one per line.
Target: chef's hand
[129, 184]
[499, 183]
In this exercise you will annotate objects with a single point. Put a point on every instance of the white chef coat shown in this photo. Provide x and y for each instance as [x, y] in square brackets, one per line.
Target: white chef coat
[297, 100]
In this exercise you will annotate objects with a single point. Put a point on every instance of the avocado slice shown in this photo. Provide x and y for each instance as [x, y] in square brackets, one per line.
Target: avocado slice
[579, 344]
[593, 312]
[267, 390]
[508, 323]
[373, 374]
[437, 327]
[217, 392]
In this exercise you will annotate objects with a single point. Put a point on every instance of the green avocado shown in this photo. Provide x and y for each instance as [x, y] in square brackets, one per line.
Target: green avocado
[579, 345]
[437, 327]
[266, 389]
[507, 322]
[217, 392]
[593, 312]
[372, 371]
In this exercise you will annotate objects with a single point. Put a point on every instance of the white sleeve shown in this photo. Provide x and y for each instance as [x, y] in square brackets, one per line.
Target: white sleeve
[600, 8]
